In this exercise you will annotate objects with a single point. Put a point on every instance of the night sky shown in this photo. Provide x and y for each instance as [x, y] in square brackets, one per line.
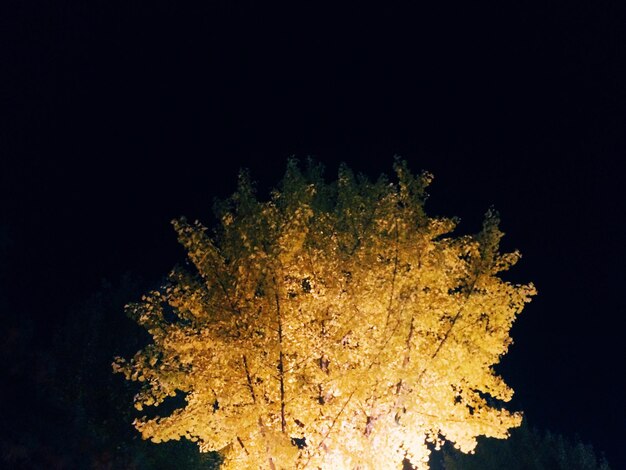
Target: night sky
[116, 117]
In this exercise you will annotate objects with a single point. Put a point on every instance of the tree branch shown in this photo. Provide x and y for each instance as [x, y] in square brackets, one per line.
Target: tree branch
[281, 365]
[449, 330]
[248, 377]
[393, 277]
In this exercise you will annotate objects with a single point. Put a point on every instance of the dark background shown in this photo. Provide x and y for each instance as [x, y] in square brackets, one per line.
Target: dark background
[118, 116]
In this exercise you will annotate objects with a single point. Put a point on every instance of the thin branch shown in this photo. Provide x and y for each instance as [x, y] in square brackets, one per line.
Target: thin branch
[393, 277]
[407, 356]
[248, 377]
[405, 363]
[281, 365]
[216, 273]
[449, 330]
[352, 394]
[267, 448]
[332, 425]
[242, 446]
[464, 420]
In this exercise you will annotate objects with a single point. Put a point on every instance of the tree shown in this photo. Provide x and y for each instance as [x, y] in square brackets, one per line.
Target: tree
[527, 449]
[335, 325]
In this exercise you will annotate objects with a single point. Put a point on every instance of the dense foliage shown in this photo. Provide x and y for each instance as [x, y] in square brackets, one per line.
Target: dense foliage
[335, 325]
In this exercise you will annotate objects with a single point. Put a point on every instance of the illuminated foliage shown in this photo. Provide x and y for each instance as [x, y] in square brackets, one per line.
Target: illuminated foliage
[332, 326]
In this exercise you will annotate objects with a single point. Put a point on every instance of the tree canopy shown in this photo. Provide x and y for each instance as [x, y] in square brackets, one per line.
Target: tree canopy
[334, 325]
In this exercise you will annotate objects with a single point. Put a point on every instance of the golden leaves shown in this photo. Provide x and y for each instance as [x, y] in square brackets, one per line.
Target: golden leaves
[337, 314]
